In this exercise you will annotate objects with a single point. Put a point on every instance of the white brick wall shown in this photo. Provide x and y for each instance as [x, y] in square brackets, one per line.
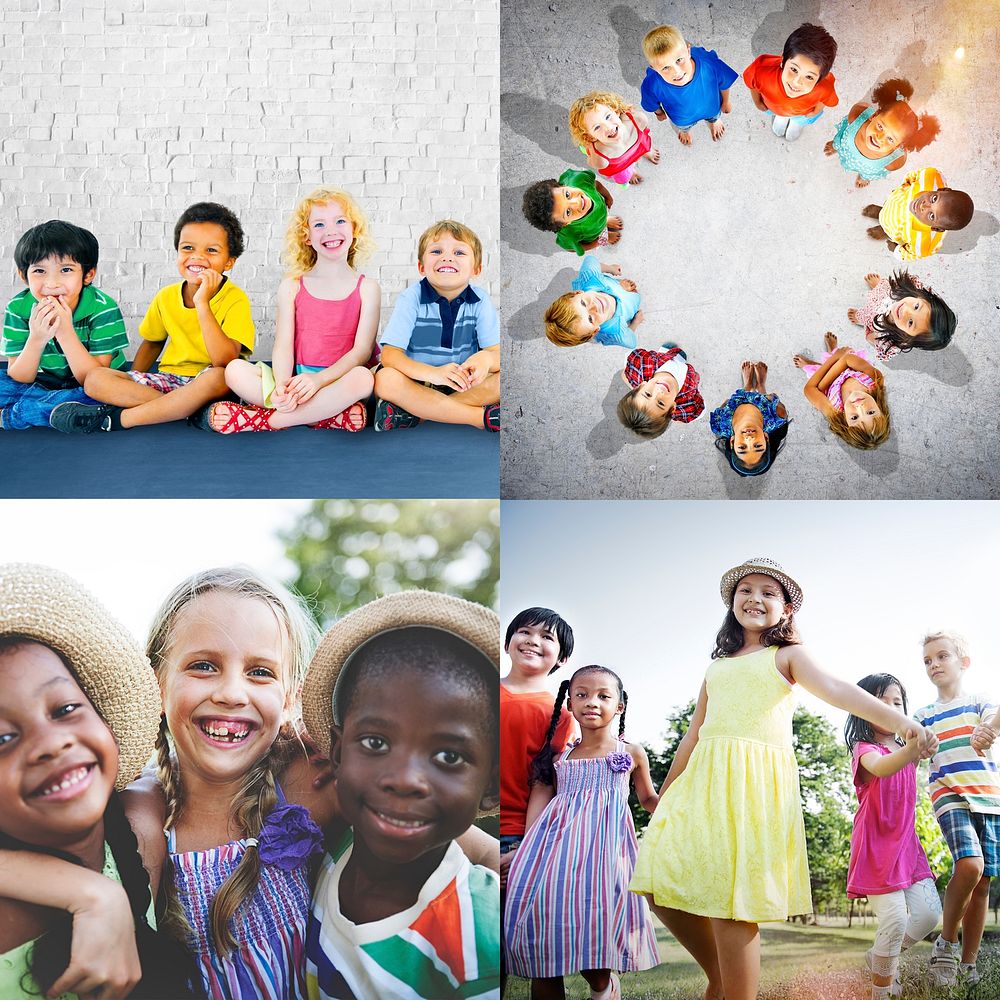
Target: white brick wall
[117, 115]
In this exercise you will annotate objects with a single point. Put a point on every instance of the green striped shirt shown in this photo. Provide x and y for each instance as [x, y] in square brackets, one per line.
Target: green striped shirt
[97, 321]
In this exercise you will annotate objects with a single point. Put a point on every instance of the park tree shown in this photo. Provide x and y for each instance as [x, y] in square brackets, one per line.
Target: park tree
[348, 552]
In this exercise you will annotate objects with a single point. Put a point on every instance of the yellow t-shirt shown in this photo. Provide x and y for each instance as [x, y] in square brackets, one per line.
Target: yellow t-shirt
[167, 318]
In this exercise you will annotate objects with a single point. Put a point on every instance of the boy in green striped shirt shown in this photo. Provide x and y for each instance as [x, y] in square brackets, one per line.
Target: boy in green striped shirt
[59, 329]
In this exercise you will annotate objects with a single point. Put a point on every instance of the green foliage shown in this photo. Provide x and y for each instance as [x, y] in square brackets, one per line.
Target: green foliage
[929, 833]
[678, 723]
[348, 552]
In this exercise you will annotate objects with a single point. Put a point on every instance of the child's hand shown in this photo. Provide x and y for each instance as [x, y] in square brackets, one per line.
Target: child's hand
[613, 269]
[44, 319]
[64, 318]
[726, 104]
[451, 375]
[982, 738]
[476, 368]
[303, 387]
[636, 320]
[828, 148]
[505, 860]
[282, 400]
[629, 285]
[758, 100]
[928, 743]
[661, 115]
[208, 285]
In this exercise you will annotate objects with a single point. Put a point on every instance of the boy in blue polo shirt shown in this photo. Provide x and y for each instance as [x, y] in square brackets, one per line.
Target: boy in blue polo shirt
[57, 329]
[441, 347]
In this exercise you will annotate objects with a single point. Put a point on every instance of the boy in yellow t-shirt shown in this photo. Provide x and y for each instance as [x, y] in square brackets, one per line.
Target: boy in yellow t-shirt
[204, 321]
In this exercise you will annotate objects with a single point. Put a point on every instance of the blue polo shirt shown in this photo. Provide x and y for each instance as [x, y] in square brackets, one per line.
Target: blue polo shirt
[699, 98]
[437, 332]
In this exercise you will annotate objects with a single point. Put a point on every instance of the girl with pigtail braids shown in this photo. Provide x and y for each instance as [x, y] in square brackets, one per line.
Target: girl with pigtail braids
[579, 851]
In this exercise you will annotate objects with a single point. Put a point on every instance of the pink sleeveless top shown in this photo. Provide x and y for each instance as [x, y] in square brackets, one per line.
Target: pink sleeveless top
[643, 143]
[325, 329]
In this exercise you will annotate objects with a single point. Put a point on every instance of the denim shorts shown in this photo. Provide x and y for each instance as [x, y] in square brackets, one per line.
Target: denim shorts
[801, 119]
[509, 842]
[973, 835]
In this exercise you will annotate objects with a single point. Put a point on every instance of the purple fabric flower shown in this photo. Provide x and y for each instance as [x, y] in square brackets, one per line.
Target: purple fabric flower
[289, 837]
[620, 762]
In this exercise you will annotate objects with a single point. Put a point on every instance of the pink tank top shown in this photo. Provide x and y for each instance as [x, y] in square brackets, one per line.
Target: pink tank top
[635, 152]
[325, 329]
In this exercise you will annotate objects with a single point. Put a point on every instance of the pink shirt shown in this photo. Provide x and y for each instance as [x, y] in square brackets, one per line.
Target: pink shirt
[325, 329]
[886, 855]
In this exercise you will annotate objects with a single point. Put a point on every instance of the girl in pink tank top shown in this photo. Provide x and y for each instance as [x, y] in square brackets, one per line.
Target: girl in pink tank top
[613, 134]
[324, 345]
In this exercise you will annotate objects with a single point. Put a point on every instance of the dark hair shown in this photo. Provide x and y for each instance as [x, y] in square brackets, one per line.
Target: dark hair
[538, 205]
[542, 767]
[859, 730]
[921, 130]
[57, 239]
[551, 620]
[637, 419]
[775, 442]
[814, 42]
[958, 212]
[730, 637]
[210, 211]
[901, 286]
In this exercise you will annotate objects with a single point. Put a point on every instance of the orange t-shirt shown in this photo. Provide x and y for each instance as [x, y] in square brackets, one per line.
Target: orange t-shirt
[524, 721]
[764, 74]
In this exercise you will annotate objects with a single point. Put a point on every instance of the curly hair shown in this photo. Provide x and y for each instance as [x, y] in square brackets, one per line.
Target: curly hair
[916, 131]
[942, 329]
[864, 438]
[638, 420]
[561, 321]
[580, 107]
[210, 211]
[538, 205]
[299, 257]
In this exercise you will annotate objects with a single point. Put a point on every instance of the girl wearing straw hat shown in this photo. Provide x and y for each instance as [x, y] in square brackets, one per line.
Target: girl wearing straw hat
[78, 714]
[725, 848]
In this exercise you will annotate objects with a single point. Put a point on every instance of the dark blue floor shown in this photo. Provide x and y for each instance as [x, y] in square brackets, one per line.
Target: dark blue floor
[175, 460]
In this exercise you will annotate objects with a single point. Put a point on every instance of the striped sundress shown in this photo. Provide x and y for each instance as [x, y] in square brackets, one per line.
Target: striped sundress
[269, 961]
[568, 905]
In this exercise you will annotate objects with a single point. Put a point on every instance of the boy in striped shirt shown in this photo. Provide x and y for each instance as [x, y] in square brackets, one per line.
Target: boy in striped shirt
[58, 329]
[965, 793]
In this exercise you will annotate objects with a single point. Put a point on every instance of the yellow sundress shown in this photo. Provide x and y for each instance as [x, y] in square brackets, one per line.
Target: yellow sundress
[727, 839]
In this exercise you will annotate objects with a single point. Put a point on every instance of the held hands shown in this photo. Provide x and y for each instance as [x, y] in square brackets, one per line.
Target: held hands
[208, 285]
[982, 738]
[303, 387]
[922, 736]
[505, 860]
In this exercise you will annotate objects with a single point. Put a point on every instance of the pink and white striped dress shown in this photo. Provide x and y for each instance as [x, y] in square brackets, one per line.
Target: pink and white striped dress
[568, 904]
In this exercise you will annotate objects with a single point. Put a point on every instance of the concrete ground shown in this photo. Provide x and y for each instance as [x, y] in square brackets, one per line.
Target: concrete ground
[749, 248]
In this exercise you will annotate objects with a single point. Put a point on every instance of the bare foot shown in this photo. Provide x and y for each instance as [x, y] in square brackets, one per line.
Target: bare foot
[717, 129]
[892, 246]
[746, 370]
[760, 375]
[871, 211]
[615, 222]
[637, 320]
[615, 269]
[613, 237]
[685, 138]
[629, 285]
[876, 232]
[852, 315]
[830, 341]
[860, 182]
[801, 360]
[653, 155]
[828, 148]
[872, 279]
[636, 178]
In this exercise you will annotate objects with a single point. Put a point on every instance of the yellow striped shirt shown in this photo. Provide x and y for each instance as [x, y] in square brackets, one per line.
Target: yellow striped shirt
[901, 225]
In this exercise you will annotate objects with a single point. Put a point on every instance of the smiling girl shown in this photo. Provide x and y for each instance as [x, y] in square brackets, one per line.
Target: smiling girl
[328, 317]
[613, 134]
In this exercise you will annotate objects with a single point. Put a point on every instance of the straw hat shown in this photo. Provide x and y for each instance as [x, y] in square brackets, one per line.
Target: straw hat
[762, 565]
[476, 625]
[45, 604]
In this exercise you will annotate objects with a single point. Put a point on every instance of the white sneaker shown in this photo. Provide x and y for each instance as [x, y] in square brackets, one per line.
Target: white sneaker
[968, 974]
[943, 966]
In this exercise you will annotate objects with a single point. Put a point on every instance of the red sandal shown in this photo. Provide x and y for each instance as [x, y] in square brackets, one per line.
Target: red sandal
[242, 418]
[352, 419]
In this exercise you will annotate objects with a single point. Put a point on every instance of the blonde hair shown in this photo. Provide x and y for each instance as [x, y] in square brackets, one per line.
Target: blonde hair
[661, 39]
[560, 321]
[580, 107]
[458, 231]
[299, 257]
[258, 792]
[864, 438]
[960, 643]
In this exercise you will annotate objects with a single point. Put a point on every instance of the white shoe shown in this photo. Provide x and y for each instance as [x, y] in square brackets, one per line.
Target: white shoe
[943, 966]
[968, 974]
[794, 130]
[779, 125]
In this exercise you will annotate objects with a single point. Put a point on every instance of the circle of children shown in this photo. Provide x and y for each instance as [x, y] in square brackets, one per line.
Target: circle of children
[725, 847]
[686, 85]
[319, 838]
[64, 340]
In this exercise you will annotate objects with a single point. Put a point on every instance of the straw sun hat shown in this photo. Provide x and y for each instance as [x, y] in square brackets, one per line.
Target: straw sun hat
[43, 604]
[762, 565]
[472, 623]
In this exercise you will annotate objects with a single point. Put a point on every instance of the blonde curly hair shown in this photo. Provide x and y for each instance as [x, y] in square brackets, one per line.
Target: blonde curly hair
[299, 257]
[580, 107]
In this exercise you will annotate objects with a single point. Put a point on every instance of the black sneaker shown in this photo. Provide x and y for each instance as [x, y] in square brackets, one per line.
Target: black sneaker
[82, 418]
[390, 417]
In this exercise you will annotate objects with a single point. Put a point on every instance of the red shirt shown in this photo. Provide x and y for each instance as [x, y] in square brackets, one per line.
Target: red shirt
[764, 74]
[641, 365]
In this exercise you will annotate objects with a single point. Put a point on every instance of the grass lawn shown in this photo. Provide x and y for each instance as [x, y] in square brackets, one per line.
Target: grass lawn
[798, 963]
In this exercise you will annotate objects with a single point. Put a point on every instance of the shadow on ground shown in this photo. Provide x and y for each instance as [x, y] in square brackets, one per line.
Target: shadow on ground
[526, 323]
[543, 122]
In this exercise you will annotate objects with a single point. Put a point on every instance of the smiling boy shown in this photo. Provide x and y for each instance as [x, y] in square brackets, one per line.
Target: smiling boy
[58, 329]
[199, 325]
[664, 388]
[441, 347]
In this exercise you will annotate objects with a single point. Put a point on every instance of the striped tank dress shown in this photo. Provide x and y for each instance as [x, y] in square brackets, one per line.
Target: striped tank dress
[568, 905]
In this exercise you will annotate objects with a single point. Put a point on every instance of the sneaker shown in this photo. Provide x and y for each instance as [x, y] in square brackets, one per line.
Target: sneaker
[794, 130]
[81, 418]
[390, 417]
[968, 975]
[943, 966]
[491, 417]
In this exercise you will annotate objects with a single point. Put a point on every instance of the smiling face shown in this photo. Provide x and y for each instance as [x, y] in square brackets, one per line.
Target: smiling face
[592, 309]
[448, 264]
[882, 133]
[860, 408]
[412, 771]
[656, 395]
[58, 277]
[202, 246]
[799, 75]
[594, 699]
[759, 602]
[675, 67]
[602, 123]
[748, 439]
[911, 315]
[58, 759]
[533, 650]
[569, 204]
[943, 664]
[331, 232]
[222, 684]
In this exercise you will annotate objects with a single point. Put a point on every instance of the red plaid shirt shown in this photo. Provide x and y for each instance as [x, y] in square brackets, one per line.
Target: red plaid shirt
[641, 366]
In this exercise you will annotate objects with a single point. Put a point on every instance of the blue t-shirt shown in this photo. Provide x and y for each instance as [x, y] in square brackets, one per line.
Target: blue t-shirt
[698, 98]
[614, 331]
[437, 332]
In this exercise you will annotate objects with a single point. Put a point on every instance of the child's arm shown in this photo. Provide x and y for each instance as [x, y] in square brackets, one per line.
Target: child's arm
[450, 374]
[857, 110]
[220, 348]
[541, 795]
[146, 355]
[615, 270]
[639, 117]
[857, 364]
[604, 193]
[480, 848]
[881, 765]
[481, 364]
[644, 790]
[283, 354]
[688, 742]
[42, 326]
[984, 735]
[757, 98]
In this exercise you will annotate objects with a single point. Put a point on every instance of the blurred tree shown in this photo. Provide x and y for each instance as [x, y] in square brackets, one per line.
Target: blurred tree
[348, 552]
